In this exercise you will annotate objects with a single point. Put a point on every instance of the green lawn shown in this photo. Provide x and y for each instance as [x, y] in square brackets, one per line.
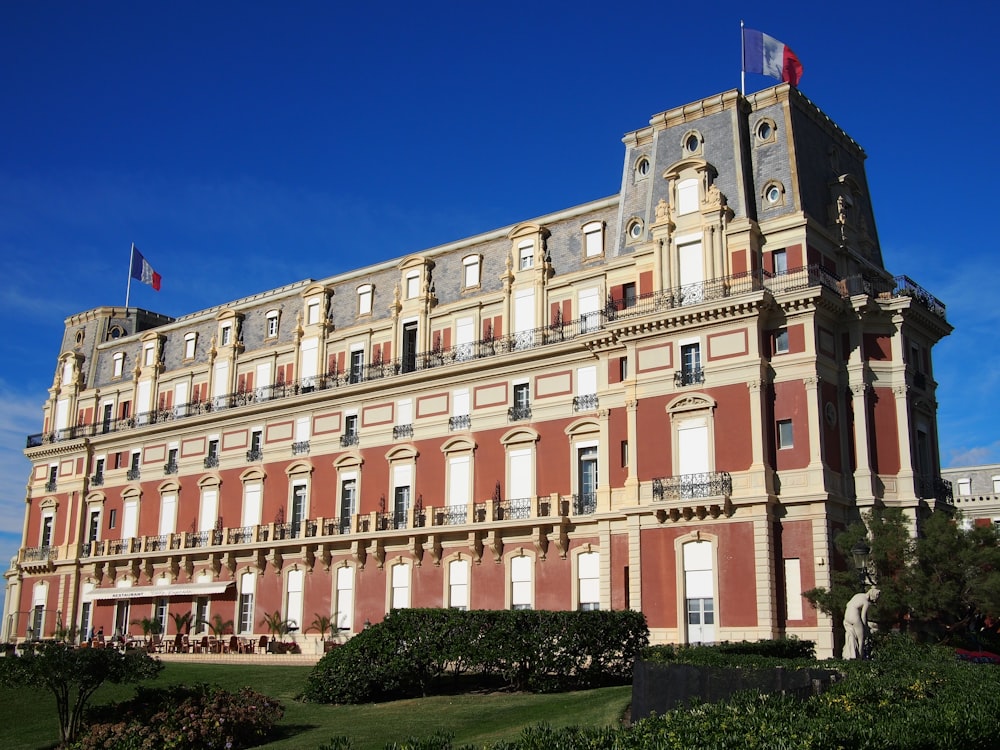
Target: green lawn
[28, 717]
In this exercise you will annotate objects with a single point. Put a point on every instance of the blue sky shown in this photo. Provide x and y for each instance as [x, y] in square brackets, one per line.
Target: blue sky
[246, 145]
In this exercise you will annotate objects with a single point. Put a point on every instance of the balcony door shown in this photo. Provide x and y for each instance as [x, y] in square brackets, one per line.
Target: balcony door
[692, 454]
[692, 272]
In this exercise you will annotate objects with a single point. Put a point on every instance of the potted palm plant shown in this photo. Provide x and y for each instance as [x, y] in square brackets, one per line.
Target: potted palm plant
[278, 627]
[322, 623]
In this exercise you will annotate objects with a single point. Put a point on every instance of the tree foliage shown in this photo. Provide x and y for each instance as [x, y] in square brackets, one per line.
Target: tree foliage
[935, 585]
[72, 675]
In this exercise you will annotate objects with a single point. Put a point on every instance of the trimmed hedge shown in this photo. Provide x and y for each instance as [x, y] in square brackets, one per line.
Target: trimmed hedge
[765, 653]
[412, 651]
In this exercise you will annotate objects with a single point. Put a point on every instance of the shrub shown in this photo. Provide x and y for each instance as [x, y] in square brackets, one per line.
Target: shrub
[412, 650]
[182, 717]
[764, 653]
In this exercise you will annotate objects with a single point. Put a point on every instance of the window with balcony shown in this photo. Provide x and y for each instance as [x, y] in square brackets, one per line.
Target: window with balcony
[212, 458]
[586, 389]
[98, 479]
[691, 372]
[779, 258]
[45, 539]
[350, 434]
[50, 483]
[170, 467]
[521, 408]
[585, 502]
[357, 368]
[348, 501]
[460, 418]
[133, 472]
[256, 451]
[94, 526]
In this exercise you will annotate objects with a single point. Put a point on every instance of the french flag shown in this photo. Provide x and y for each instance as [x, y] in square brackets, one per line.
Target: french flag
[142, 271]
[767, 56]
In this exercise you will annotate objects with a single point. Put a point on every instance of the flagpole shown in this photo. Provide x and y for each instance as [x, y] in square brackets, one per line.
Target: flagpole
[128, 289]
[743, 72]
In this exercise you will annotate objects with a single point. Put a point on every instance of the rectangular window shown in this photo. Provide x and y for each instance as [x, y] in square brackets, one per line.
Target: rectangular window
[348, 503]
[470, 268]
[201, 614]
[624, 452]
[147, 355]
[400, 587]
[161, 613]
[520, 582]
[589, 580]
[593, 239]
[357, 373]
[691, 371]
[345, 599]
[293, 600]
[622, 368]
[272, 326]
[227, 335]
[95, 526]
[189, 344]
[780, 259]
[412, 285]
[112, 518]
[522, 395]
[365, 299]
[786, 437]
[965, 487]
[996, 485]
[119, 365]
[46, 539]
[247, 583]
[781, 341]
[351, 424]
[526, 255]
[629, 295]
[458, 584]
[312, 314]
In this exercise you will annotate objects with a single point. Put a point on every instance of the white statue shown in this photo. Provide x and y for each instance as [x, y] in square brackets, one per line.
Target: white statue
[856, 629]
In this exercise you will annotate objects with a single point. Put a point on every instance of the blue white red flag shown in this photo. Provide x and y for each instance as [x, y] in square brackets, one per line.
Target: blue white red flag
[144, 272]
[767, 56]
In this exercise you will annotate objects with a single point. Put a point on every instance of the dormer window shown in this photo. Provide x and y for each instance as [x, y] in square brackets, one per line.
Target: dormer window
[412, 284]
[365, 294]
[593, 239]
[148, 355]
[271, 326]
[470, 272]
[312, 313]
[526, 255]
[190, 340]
[119, 364]
[226, 336]
[687, 196]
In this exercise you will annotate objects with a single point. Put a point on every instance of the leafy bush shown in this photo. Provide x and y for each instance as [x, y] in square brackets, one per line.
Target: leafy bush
[182, 717]
[910, 697]
[413, 650]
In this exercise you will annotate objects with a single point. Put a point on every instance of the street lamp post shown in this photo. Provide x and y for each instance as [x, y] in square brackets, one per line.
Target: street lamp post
[860, 553]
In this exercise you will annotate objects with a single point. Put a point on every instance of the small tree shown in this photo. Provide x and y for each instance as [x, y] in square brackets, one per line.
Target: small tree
[182, 622]
[277, 626]
[149, 625]
[73, 675]
[322, 623]
[219, 627]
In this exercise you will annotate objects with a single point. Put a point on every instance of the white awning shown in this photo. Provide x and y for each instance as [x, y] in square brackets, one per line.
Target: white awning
[150, 592]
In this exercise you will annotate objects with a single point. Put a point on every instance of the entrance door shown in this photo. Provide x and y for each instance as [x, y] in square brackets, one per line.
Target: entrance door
[699, 592]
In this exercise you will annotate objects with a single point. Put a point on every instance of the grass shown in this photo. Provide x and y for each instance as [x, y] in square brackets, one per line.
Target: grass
[29, 723]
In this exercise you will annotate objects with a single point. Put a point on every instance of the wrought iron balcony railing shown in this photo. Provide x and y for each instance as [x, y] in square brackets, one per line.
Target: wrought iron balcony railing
[300, 448]
[254, 454]
[39, 554]
[518, 413]
[348, 439]
[50, 486]
[211, 462]
[452, 515]
[512, 509]
[558, 331]
[692, 486]
[689, 376]
[402, 431]
[133, 474]
[170, 467]
[587, 402]
[463, 422]
[97, 480]
[585, 504]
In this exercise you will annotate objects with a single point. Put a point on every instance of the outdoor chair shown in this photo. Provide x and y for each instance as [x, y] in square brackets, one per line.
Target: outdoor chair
[234, 645]
[262, 644]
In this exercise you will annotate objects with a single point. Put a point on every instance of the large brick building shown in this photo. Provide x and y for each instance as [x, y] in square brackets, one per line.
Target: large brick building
[669, 400]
